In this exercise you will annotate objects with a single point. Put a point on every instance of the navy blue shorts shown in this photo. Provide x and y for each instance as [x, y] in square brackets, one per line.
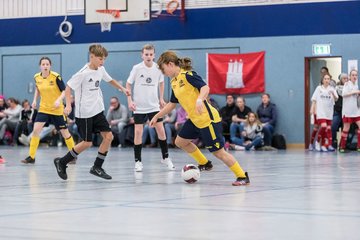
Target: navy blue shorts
[95, 124]
[141, 118]
[58, 120]
[211, 136]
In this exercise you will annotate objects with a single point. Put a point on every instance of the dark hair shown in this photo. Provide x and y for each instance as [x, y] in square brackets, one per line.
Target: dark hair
[13, 100]
[170, 56]
[325, 68]
[44, 58]
[322, 78]
[267, 94]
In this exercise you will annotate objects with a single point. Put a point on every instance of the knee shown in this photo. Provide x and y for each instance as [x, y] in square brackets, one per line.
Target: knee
[87, 144]
[108, 137]
[180, 143]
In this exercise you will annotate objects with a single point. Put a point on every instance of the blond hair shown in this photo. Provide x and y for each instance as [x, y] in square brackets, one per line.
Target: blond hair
[98, 50]
[170, 56]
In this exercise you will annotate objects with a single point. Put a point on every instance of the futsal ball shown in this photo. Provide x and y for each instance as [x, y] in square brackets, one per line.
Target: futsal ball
[190, 173]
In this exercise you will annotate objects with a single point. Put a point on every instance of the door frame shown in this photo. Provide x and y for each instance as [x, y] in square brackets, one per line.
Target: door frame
[307, 102]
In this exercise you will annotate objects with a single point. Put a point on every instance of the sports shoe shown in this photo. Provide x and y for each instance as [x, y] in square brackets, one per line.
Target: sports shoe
[99, 172]
[60, 168]
[138, 166]
[311, 147]
[342, 150]
[168, 163]
[28, 160]
[242, 181]
[23, 139]
[331, 148]
[2, 160]
[239, 148]
[206, 167]
[317, 146]
[73, 162]
[323, 149]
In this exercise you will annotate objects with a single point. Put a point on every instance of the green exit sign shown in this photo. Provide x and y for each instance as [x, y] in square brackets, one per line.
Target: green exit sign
[321, 49]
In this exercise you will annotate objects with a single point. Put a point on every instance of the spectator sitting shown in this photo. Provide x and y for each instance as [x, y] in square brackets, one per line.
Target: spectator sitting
[26, 121]
[10, 117]
[252, 132]
[226, 113]
[117, 116]
[3, 105]
[267, 115]
[239, 117]
[45, 132]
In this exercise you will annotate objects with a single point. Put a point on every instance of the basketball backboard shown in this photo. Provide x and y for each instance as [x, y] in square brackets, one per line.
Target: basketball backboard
[130, 10]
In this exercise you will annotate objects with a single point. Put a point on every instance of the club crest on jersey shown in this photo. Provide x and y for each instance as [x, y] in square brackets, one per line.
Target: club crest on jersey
[148, 80]
[51, 83]
[97, 83]
[91, 80]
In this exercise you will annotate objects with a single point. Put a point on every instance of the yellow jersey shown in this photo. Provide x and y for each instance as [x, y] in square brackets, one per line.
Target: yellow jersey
[185, 90]
[50, 89]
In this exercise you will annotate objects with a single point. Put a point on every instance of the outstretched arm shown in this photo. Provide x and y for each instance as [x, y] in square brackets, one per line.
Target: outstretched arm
[167, 109]
[118, 86]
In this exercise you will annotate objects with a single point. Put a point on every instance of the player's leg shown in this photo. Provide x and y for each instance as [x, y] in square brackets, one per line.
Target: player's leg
[358, 134]
[61, 125]
[41, 119]
[183, 140]
[85, 126]
[139, 120]
[160, 130]
[214, 142]
[344, 134]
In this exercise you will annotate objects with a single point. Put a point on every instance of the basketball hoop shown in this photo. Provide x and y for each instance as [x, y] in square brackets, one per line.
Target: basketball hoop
[107, 16]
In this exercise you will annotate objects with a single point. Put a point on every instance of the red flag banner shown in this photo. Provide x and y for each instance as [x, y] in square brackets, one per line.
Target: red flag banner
[236, 73]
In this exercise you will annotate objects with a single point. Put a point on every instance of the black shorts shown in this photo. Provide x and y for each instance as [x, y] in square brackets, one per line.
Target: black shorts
[58, 120]
[211, 136]
[95, 124]
[141, 118]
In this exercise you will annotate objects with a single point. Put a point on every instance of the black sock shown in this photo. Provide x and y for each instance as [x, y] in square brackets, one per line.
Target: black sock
[100, 159]
[71, 155]
[164, 148]
[137, 152]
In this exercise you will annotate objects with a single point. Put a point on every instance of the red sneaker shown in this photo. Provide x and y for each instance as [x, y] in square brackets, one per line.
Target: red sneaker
[2, 160]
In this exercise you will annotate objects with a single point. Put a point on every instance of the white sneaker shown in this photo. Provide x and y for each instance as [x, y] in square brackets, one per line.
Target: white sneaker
[317, 146]
[239, 148]
[168, 163]
[138, 166]
[24, 140]
[311, 147]
[323, 149]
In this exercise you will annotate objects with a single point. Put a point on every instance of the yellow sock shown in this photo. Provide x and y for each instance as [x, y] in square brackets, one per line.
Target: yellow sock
[34, 144]
[199, 157]
[237, 170]
[70, 144]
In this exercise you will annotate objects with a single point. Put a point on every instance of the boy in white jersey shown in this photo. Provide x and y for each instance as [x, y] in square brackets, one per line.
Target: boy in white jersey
[323, 101]
[89, 111]
[147, 82]
[350, 109]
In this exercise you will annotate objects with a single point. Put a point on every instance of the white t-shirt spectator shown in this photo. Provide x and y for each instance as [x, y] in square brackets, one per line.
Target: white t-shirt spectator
[145, 81]
[88, 96]
[349, 107]
[324, 102]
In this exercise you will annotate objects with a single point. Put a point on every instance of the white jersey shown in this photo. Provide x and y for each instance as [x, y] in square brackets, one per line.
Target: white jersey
[145, 81]
[324, 102]
[349, 107]
[88, 96]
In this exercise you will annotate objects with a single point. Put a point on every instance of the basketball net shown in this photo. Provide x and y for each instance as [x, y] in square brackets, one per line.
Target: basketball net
[107, 16]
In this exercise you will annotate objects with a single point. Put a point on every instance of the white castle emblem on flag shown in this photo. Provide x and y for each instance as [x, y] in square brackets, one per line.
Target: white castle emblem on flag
[234, 76]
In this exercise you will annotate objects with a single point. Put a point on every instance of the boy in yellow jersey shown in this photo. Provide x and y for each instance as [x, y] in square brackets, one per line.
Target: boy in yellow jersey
[190, 91]
[89, 111]
[51, 89]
